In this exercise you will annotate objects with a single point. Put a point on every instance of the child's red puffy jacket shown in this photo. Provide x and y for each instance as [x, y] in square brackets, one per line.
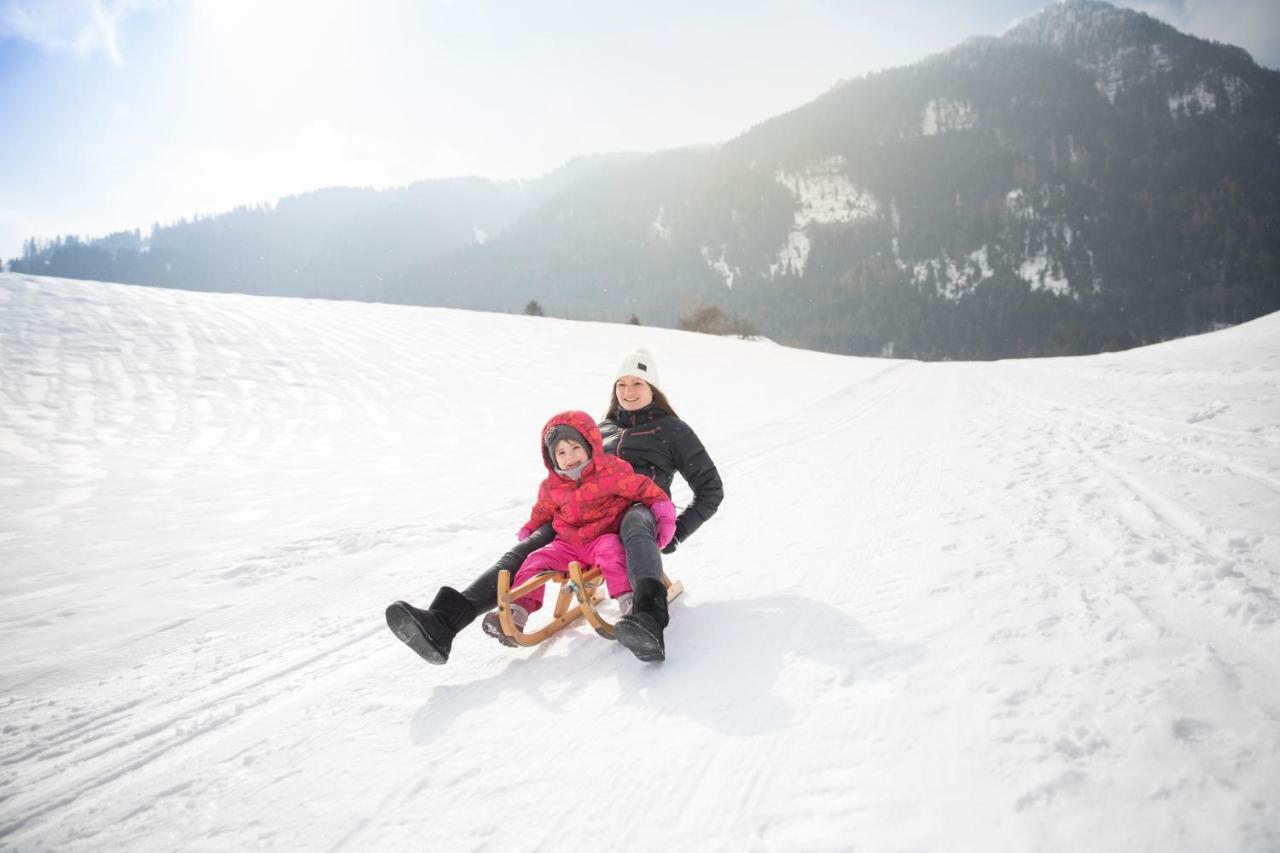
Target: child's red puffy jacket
[594, 504]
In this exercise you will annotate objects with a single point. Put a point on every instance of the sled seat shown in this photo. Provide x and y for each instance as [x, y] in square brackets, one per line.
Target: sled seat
[586, 587]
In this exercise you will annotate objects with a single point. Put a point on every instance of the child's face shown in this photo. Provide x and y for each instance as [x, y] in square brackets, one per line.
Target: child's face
[569, 453]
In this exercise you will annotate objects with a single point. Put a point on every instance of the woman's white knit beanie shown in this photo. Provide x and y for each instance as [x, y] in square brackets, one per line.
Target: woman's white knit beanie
[640, 363]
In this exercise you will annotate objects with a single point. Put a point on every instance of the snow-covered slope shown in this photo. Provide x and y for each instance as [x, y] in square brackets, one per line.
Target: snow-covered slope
[1010, 606]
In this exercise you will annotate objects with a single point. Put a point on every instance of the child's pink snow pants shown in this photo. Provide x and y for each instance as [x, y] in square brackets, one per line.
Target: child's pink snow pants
[604, 551]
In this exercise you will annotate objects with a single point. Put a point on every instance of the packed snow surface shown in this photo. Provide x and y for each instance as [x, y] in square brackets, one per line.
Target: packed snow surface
[1004, 606]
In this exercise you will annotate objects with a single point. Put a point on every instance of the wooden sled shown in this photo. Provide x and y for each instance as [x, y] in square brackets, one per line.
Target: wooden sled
[586, 588]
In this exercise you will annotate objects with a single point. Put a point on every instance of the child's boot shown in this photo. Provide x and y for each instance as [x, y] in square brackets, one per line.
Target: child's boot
[641, 630]
[430, 632]
[492, 624]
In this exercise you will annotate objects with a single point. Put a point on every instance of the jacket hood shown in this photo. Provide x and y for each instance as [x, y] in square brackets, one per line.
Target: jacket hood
[583, 423]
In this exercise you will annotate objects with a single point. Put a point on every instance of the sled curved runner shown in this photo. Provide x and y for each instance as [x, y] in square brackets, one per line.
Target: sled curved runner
[584, 587]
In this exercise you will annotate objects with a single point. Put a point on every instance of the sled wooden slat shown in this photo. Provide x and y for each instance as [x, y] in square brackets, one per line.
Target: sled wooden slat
[561, 616]
[530, 585]
[586, 602]
[563, 600]
[575, 584]
[673, 588]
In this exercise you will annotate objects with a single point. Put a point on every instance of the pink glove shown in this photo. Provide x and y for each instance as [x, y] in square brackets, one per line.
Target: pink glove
[665, 514]
[524, 533]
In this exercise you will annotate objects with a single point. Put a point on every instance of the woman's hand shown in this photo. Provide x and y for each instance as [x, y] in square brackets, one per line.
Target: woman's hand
[664, 512]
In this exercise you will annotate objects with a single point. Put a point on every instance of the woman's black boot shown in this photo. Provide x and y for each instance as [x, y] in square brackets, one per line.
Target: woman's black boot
[641, 631]
[430, 632]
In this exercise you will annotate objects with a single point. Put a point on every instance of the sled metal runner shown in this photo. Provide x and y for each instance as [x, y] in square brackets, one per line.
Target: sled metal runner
[583, 589]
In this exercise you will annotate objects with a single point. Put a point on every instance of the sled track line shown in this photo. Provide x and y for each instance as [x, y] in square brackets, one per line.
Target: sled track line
[1195, 426]
[238, 711]
[70, 733]
[1261, 478]
[1236, 583]
[74, 731]
[875, 390]
[1181, 532]
[1181, 611]
[1166, 510]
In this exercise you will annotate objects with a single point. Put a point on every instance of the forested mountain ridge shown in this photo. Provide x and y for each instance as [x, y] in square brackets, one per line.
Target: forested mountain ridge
[339, 242]
[1091, 179]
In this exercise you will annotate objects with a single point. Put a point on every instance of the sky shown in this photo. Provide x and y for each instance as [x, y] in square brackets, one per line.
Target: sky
[123, 113]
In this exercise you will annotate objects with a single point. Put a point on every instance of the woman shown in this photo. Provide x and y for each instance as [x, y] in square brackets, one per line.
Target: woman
[641, 427]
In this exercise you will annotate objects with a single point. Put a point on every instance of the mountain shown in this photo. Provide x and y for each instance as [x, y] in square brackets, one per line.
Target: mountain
[1089, 180]
[1034, 606]
[341, 242]
[1092, 179]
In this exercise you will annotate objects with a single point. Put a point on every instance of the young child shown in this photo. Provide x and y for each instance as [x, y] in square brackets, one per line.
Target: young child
[584, 497]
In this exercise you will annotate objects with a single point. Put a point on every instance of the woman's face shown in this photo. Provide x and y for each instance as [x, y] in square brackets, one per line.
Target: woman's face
[633, 393]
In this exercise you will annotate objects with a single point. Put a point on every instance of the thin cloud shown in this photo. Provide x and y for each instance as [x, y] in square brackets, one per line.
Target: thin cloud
[82, 28]
[1251, 24]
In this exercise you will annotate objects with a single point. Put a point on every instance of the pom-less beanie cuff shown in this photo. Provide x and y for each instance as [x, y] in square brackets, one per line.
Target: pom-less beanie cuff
[640, 364]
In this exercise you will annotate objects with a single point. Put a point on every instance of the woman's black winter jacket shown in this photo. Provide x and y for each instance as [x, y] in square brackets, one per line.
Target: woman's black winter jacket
[658, 445]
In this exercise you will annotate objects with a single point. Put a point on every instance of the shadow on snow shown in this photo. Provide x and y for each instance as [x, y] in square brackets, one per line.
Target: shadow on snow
[725, 663]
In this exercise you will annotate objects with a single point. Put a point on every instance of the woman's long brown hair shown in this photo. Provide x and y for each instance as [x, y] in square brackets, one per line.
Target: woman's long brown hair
[659, 399]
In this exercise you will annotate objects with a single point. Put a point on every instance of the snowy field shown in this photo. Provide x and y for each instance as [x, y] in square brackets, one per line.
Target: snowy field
[961, 607]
